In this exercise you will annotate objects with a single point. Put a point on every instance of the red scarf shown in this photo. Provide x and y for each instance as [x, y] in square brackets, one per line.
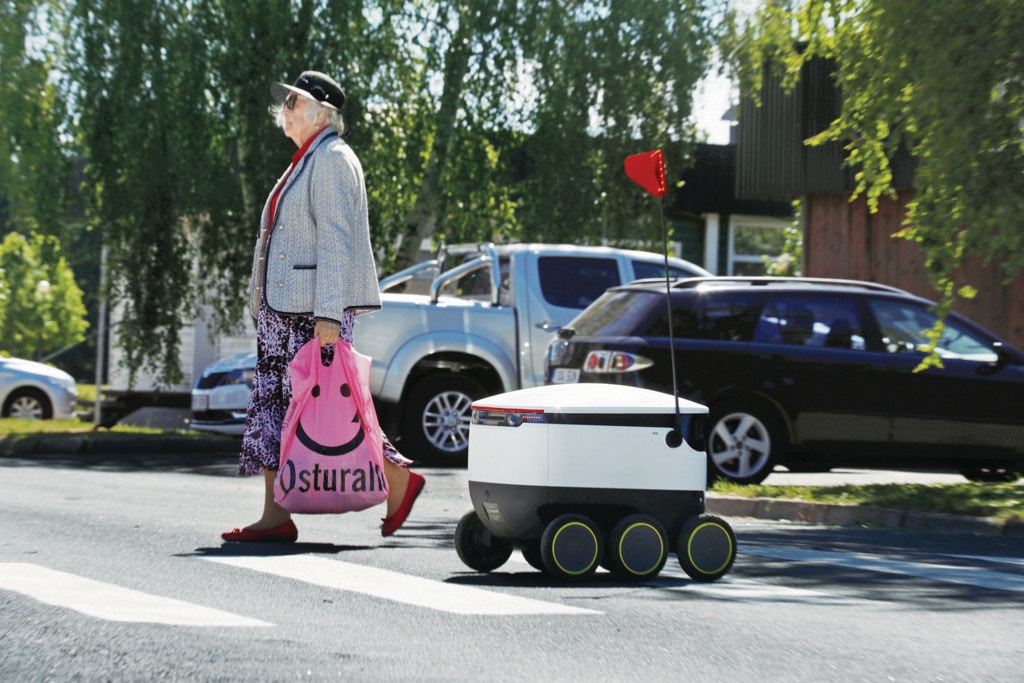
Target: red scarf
[272, 213]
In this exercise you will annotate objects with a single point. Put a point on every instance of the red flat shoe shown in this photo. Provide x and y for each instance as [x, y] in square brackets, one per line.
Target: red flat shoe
[393, 522]
[285, 533]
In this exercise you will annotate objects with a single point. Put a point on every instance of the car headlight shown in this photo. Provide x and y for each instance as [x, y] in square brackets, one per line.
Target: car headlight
[238, 376]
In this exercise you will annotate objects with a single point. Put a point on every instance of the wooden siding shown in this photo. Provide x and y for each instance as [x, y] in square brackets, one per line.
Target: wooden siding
[843, 239]
[773, 160]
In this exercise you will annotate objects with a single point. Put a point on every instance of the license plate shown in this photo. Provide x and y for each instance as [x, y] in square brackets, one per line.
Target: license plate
[200, 402]
[566, 376]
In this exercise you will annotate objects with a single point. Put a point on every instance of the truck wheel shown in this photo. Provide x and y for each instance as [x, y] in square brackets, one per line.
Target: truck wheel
[478, 548]
[997, 474]
[29, 404]
[637, 548]
[435, 427]
[706, 548]
[571, 547]
[744, 443]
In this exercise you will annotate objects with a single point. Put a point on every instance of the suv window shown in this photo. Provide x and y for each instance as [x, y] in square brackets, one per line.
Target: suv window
[811, 321]
[574, 282]
[620, 313]
[905, 325]
[719, 316]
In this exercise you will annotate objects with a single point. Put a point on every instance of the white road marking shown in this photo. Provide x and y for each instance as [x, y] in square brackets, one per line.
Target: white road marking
[963, 575]
[110, 602]
[404, 588]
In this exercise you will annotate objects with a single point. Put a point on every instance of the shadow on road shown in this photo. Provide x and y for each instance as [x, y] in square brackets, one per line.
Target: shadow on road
[199, 461]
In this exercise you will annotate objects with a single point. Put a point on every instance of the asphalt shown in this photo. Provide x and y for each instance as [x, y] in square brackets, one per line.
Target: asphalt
[217, 455]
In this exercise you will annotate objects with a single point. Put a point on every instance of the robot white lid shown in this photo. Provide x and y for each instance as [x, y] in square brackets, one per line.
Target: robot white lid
[588, 398]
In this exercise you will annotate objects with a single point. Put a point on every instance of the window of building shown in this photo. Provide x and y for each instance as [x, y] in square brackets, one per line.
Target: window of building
[753, 238]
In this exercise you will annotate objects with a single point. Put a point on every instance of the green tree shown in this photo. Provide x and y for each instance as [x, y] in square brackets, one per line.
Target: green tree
[36, 153]
[474, 119]
[612, 79]
[44, 310]
[945, 79]
[564, 91]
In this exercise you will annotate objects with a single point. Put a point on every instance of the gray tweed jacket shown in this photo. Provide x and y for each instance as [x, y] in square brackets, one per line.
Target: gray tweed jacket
[316, 258]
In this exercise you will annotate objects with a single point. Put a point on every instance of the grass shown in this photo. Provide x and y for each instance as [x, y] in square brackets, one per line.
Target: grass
[14, 426]
[1003, 501]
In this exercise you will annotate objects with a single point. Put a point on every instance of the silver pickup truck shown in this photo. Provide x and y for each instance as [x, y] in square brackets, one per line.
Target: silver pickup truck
[476, 321]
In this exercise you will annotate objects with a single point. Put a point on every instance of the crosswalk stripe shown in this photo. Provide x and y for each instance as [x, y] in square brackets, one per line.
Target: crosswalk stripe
[954, 574]
[110, 602]
[404, 588]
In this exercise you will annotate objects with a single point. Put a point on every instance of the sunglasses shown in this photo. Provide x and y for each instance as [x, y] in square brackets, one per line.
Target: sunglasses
[289, 102]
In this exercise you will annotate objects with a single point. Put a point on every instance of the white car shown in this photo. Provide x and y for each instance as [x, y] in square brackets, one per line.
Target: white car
[37, 391]
[220, 397]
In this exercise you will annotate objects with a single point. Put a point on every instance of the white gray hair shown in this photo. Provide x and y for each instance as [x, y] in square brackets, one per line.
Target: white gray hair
[314, 112]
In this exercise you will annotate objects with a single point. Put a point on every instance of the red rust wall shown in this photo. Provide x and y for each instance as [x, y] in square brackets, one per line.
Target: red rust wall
[843, 239]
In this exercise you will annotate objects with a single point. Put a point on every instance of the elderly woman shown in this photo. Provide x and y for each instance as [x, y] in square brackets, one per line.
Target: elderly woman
[313, 273]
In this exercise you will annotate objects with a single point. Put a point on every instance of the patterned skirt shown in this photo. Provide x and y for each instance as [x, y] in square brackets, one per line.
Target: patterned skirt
[278, 338]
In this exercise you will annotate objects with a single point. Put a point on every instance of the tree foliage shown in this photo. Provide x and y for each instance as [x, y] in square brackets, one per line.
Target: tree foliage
[945, 79]
[41, 308]
[562, 92]
[474, 119]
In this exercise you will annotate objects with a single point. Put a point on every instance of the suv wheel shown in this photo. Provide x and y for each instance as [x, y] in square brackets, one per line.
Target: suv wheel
[435, 426]
[743, 444]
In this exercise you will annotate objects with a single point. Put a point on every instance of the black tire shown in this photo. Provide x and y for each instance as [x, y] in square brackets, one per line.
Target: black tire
[637, 548]
[478, 548]
[531, 553]
[744, 443]
[435, 423]
[28, 403]
[571, 547]
[993, 475]
[706, 548]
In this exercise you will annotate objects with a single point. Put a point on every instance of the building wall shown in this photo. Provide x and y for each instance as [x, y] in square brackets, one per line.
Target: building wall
[843, 239]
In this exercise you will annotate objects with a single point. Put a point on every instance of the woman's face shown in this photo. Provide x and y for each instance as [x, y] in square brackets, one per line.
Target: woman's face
[296, 127]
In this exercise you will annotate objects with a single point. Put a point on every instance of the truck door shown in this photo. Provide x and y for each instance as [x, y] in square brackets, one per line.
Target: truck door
[559, 286]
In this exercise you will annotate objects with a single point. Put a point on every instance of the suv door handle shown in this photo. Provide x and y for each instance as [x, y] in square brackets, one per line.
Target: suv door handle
[548, 326]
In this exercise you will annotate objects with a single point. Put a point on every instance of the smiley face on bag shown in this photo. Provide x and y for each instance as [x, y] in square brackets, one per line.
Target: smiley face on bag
[336, 429]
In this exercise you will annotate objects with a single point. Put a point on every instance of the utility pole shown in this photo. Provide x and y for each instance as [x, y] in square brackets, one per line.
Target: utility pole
[101, 337]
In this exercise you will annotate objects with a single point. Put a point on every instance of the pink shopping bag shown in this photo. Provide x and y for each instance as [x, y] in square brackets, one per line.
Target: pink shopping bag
[331, 444]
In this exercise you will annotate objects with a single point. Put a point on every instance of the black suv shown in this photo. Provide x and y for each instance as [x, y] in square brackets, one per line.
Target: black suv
[809, 373]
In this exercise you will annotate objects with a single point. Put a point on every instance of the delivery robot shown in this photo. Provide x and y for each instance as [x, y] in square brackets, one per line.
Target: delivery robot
[586, 475]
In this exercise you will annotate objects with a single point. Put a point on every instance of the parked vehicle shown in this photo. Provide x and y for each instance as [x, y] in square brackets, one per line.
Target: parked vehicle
[35, 390]
[481, 329]
[220, 397]
[473, 322]
[810, 374]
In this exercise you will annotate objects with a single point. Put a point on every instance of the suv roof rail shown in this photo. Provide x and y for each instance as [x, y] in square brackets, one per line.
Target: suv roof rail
[767, 281]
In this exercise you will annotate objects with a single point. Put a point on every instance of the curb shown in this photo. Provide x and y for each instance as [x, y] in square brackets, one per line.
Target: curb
[101, 443]
[829, 514]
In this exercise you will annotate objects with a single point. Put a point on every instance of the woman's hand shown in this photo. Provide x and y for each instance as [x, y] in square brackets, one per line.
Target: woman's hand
[326, 331]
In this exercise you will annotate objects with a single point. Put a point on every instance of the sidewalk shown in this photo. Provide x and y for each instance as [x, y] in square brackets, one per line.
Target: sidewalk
[829, 514]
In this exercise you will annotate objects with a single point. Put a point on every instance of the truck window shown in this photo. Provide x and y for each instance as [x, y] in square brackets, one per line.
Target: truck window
[575, 282]
[643, 270]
